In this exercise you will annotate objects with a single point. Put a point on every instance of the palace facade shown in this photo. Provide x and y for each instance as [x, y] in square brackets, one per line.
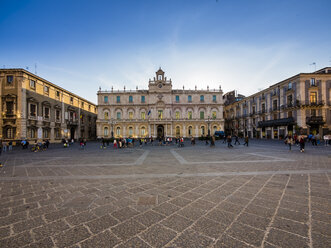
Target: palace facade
[159, 111]
[299, 104]
[34, 108]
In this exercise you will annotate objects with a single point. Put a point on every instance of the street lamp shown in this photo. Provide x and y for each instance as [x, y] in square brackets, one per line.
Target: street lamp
[112, 127]
[208, 122]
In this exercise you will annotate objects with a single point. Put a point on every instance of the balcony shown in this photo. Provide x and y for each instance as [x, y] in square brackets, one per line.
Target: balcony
[315, 120]
[276, 123]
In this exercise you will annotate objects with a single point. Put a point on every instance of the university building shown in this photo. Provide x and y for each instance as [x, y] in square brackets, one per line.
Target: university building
[299, 104]
[159, 111]
[34, 108]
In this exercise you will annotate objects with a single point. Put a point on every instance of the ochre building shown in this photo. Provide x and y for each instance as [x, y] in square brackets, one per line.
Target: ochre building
[159, 111]
[300, 104]
[33, 108]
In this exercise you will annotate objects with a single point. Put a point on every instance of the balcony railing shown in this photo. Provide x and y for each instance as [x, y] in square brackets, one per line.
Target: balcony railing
[315, 120]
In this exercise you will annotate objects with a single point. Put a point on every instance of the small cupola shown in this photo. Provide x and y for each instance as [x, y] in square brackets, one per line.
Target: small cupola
[160, 75]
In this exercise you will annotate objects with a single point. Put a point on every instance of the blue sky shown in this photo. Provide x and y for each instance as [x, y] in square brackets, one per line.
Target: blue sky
[244, 45]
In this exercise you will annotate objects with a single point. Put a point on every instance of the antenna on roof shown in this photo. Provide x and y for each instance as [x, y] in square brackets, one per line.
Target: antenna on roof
[314, 63]
[35, 68]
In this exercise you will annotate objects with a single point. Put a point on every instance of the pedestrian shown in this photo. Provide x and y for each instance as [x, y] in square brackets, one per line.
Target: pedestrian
[236, 140]
[224, 139]
[326, 140]
[4, 146]
[212, 141]
[302, 143]
[229, 140]
[289, 141]
[10, 145]
[103, 143]
[246, 141]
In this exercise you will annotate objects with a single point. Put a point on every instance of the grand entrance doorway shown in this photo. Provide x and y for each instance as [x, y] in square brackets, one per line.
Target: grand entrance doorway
[72, 133]
[160, 131]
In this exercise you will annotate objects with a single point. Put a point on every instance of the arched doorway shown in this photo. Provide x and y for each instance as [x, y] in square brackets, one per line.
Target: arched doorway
[160, 131]
[72, 133]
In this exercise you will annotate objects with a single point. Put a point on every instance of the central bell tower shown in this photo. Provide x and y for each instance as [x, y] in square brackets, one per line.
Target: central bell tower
[160, 83]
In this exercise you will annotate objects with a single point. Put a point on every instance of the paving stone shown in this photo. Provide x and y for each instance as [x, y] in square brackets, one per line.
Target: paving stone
[13, 218]
[106, 209]
[321, 227]
[158, 236]
[228, 242]
[81, 218]
[127, 229]
[321, 241]
[177, 222]
[166, 208]
[192, 239]
[28, 224]
[102, 223]
[4, 232]
[285, 239]
[71, 236]
[292, 215]
[24, 207]
[254, 220]
[180, 201]
[58, 214]
[246, 233]
[230, 207]
[134, 243]
[149, 218]
[222, 217]
[40, 211]
[261, 211]
[291, 226]
[124, 213]
[47, 242]
[4, 212]
[104, 239]
[49, 229]
[202, 204]
[192, 213]
[17, 240]
[321, 216]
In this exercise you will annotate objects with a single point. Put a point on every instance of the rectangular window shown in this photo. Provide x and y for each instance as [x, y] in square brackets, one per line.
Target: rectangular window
[46, 113]
[118, 99]
[313, 97]
[160, 114]
[289, 100]
[312, 82]
[202, 98]
[130, 99]
[213, 115]
[57, 133]
[105, 99]
[82, 104]
[189, 98]
[10, 108]
[263, 108]
[275, 117]
[32, 84]
[177, 98]
[130, 115]
[89, 107]
[143, 99]
[289, 86]
[214, 98]
[118, 115]
[57, 115]
[10, 80]
[177, 115]
[58, 94]
[33, 109]
[313, 112]
[143, 115]
[274, 105]
[289, 114]
[46, 89]
[71, 100]
[190, 115]
[202, 115]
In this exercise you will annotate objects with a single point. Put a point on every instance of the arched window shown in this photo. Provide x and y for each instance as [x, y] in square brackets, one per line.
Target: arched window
[105, 131]
[143, 132]
[106, 115]
[177, 115]
[203, 130]
[32, 133]
[118, 131]
[190, 131]
[130, 131]
[130, 115]
[178, 131]
[9, 133]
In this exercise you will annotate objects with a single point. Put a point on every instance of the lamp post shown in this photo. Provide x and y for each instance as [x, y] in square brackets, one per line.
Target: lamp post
[208, 122]
[112, 127]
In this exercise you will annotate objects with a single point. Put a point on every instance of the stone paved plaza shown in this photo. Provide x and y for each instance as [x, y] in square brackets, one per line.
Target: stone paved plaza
[258, 196]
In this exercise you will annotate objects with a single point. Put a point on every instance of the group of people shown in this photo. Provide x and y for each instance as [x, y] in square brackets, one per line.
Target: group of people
[228, 139]
[6, 146]
[296, 139]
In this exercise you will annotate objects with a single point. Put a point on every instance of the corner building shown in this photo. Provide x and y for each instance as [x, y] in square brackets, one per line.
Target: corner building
[159, 111]
[34, 108]
[299, 104]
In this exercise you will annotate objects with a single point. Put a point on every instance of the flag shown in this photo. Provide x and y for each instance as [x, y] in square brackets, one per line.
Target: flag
[149, 112]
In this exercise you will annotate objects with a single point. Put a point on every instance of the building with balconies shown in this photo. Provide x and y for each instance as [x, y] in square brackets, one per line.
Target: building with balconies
[159, 111]
[301, 103]
[33, 108]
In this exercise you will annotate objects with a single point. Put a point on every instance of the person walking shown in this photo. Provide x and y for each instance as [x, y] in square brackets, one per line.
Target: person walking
[212, 141]
[302, 143]
[115, 143]
[4, 146]
[246, 141]
[224, 139]
[10, 145]
[229, 140]
[289, 141]
[236, 140]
